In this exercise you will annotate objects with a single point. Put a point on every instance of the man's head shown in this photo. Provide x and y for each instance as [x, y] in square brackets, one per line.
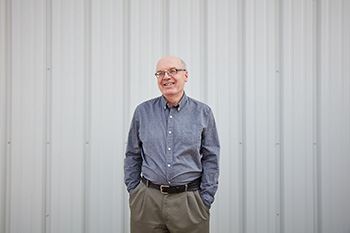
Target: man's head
[171, 76]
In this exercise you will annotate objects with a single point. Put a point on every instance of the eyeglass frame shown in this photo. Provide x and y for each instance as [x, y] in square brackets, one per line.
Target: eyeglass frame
[168, 72]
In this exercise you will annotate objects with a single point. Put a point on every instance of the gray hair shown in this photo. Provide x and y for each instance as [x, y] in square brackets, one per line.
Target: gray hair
[183, 63]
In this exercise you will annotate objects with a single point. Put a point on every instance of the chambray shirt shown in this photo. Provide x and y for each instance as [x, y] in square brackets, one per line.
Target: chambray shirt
[173, 145]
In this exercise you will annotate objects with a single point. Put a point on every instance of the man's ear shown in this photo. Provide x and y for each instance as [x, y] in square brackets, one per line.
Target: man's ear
[186, 75]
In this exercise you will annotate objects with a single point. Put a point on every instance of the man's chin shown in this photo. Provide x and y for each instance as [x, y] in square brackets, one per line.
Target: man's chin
[169, 92]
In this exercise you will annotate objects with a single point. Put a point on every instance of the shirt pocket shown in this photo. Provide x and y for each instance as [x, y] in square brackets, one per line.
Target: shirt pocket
[191, 136]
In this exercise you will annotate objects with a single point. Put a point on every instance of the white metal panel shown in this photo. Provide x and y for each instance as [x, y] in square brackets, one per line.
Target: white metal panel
[223, 90]
[105, 187]
[260, 117]
[66, 212]
[3, 136]
[334, 74]
[26, 136]
[298, 193]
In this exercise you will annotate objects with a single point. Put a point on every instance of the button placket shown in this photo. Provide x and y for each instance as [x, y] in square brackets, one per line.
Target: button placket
[169, 135]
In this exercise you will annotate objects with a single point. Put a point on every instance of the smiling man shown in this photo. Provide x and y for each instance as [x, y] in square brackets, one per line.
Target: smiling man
[171, 165]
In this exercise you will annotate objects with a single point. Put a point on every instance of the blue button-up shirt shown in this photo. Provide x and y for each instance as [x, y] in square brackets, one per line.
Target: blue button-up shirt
[173, 145]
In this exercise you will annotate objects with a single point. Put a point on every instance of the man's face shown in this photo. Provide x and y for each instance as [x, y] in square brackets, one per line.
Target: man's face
[171, 85]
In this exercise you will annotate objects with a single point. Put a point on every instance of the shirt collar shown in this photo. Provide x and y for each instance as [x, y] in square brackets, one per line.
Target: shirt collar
[180, 105]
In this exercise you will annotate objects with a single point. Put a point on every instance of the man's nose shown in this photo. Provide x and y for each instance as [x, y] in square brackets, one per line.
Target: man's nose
[166, 74]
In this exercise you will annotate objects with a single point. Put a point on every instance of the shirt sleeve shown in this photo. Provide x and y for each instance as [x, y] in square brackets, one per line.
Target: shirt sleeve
[210, 150]
[133, 159]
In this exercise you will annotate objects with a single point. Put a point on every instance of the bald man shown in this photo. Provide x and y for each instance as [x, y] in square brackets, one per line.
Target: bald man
[171, 162]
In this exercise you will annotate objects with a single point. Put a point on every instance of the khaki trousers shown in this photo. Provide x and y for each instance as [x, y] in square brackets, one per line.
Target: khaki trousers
[154, 212]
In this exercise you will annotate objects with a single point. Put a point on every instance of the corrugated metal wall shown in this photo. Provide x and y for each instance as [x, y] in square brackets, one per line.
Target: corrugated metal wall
[275, 72]
[2, 118]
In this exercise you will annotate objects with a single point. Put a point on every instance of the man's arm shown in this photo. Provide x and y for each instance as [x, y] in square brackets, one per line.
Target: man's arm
[210, 150]
[133, 159]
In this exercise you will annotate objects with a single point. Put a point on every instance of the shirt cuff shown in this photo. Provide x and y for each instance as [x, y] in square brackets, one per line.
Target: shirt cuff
[207, 199]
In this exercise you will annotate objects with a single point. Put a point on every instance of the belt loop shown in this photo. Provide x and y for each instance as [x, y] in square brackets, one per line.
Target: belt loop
[186, 186]
[147, 183]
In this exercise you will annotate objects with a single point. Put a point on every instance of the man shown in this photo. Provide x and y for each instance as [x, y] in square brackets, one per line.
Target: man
[171, 164]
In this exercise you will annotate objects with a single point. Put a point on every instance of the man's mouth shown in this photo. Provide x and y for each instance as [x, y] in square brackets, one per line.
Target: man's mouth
[168, 84]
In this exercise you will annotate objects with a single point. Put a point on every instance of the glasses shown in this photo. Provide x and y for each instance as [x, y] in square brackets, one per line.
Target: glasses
[171, 72]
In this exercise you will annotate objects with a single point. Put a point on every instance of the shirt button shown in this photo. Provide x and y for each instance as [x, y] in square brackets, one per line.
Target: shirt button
[169, 148]
[169, 182]
[169, 132]
[169, 165]
[171, 116]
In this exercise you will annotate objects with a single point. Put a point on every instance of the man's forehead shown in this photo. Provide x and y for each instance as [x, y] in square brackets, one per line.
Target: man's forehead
[168, 62]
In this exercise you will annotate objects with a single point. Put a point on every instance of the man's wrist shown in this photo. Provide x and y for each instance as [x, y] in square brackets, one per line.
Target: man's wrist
[132, 186]
[207, 199]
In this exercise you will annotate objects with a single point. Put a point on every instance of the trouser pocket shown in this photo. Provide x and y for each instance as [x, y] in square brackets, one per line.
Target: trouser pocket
[134, 194]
